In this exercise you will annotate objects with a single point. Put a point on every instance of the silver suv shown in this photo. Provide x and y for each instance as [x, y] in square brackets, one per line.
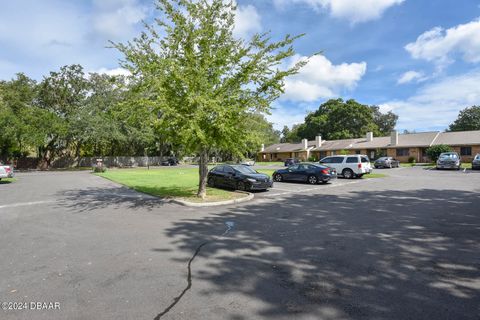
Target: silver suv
[349, 167]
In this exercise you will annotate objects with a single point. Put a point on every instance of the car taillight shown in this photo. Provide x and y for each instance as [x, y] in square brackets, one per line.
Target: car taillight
[8, 169]
[359, 166]
[325, 171]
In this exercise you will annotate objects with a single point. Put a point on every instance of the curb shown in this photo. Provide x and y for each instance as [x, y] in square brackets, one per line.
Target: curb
[249, 197]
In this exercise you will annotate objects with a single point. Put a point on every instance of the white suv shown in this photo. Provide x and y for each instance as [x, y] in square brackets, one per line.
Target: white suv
[5, 171]
[351, 166]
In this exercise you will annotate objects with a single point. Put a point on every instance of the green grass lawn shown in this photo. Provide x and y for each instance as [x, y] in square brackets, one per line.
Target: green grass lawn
[277, 163]
[7, 180]
[374, 175]
[168, 182]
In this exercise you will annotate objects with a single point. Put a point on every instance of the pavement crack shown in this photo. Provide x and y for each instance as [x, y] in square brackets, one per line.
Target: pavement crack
[229, 227]
[189, 283]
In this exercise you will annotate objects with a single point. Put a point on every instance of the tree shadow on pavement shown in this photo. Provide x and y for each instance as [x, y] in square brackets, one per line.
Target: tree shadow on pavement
[89, 199]
[362, 255]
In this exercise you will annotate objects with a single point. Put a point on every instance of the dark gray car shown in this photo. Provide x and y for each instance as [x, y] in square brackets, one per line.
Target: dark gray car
[476, 162]
[386, 162]
[448, 160]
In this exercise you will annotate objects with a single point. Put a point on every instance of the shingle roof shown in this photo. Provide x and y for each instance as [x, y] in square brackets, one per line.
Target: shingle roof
[287, 147]
[422, 139]
[337, 144]
[283, 147]
[376, 143]
[458, 138]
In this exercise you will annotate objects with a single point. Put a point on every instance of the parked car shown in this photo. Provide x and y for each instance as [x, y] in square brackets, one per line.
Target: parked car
[291, 161]
[476, 162]
[305, 172]
[170, 162]
[248, 162]
[349, 167]
[238, 177]
[386, 162]
[6, 171]
[448, 160]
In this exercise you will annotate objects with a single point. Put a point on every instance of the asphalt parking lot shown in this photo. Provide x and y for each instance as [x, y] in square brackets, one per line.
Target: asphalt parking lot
[400, 247]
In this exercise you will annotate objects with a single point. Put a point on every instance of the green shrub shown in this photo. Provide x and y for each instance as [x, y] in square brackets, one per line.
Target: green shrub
[435, 151]
[411, 160]
[99, 169]
[312, 159]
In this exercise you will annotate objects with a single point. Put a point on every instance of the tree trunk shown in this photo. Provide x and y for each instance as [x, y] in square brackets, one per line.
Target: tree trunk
[203, 171]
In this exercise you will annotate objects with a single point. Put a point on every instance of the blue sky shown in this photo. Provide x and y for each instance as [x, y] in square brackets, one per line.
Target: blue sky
[419, 58]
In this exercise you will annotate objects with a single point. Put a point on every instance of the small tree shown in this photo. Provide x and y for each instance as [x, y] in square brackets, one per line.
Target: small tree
[201, 81]
[435, 151]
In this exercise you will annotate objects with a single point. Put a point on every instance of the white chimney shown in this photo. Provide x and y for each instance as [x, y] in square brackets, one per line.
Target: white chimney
[318, 141]
[369, 136]
[262, 148]
[305, 144]
[394, 138]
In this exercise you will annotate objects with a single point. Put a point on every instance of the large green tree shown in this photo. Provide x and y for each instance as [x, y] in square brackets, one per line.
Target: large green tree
[385, 122]
[16, 109]
[339, 119]
[200, 81]
[468, 119]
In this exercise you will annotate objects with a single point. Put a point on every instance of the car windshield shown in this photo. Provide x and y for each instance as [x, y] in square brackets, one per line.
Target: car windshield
[382, 158]
[477, 157]
[448, 156]
[244, 169]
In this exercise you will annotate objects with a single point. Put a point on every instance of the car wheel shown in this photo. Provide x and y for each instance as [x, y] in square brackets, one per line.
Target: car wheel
[347, 173]
[241, 186]
[278, 177]
[312, 180]
[211, 182]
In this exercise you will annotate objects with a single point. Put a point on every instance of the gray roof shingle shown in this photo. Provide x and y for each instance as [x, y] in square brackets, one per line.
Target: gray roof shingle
[458, 138]
[421, 139]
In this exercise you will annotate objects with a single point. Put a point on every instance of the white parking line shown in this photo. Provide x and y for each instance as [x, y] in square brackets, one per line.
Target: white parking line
[334, 185]
[21, 204]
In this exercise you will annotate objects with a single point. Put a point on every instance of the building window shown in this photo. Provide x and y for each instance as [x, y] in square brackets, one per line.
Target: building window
[403, 152]
[358, 151]
[466, 151]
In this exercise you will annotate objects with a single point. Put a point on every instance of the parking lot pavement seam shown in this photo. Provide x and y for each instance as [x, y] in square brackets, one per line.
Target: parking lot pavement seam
[316, 188]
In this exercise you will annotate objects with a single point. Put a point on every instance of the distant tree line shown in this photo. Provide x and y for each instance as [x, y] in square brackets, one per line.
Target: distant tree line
[339, 119]
[72, 114]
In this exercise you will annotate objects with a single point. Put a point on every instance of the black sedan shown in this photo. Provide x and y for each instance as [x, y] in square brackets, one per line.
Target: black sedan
[170, 162]
[238, 177]
[386, 162]
[306, 172]
[291, 161]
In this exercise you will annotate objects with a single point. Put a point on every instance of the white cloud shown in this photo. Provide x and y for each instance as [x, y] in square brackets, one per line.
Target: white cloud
[437, 105]
[439, 45]
[410, 76]
[247, 21]
[284, 115]
[116, 19]
[353, 10]
[113, 72]
[322, 79]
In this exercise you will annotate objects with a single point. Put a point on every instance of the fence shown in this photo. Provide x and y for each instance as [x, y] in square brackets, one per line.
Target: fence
[121, 162]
